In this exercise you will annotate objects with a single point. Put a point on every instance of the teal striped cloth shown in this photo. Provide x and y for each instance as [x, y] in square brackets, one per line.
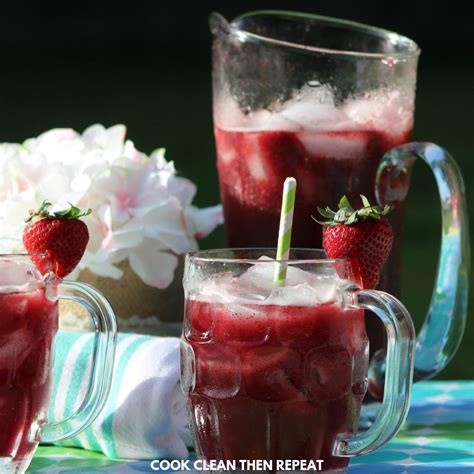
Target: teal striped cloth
[145, 415]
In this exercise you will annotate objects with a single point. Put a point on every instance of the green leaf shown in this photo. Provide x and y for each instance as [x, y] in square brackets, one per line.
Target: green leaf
[72, 212]
[348, 216]
[365, 201]
[345, 204]
[326, 212]
[325, 224]
[352, 219]
[43, 211]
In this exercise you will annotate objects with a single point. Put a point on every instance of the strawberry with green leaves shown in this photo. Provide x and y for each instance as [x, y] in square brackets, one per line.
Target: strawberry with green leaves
[364, 234]
[58, 234]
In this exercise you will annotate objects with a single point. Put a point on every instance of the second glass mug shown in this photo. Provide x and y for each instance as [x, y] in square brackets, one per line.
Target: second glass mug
[279, 374]
[29, 321]
[323, 100]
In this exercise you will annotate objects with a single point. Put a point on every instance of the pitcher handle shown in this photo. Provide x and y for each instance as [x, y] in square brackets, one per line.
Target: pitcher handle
[102, 362]
[443, 327]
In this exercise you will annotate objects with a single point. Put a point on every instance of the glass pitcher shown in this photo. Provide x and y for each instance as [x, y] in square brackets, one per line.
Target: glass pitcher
[29, 316]
[331, 103]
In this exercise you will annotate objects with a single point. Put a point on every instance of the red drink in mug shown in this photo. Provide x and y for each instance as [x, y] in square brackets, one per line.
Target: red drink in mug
[280, 373]
[27, 329]
[28, 325]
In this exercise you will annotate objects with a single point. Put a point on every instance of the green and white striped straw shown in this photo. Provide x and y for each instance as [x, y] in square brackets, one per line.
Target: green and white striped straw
[284, 233]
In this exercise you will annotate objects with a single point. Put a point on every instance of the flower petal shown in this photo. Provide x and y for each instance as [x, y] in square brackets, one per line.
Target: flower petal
[154, 267]
[128, 236]
[183, 189]
[204, 221]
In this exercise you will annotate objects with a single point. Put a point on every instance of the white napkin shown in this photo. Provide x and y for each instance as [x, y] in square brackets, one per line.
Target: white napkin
[145, 415]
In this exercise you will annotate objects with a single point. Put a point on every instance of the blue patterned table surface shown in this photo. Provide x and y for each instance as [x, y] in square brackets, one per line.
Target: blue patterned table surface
[438, 438]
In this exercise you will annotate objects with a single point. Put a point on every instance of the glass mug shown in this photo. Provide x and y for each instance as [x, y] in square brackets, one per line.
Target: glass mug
[331, 103]
[280, 373]
[29, 317]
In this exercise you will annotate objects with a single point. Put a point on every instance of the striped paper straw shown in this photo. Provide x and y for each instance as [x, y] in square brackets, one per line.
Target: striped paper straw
[284, 233]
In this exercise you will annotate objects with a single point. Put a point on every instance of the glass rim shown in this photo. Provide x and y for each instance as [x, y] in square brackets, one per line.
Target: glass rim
[412, 50]
[19, 254]
[208, 256]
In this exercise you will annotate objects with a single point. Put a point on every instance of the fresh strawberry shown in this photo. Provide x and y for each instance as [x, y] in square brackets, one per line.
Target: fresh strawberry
[60, 235]
[364, 234]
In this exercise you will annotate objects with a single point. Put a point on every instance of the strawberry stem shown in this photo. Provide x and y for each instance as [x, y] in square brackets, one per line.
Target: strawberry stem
[72, 212]
[348, 216]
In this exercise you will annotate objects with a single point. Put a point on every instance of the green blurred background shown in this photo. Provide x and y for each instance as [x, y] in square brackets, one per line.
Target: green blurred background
[148, 66]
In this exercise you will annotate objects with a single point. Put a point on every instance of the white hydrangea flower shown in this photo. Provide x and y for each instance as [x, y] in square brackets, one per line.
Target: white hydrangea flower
[142, 211]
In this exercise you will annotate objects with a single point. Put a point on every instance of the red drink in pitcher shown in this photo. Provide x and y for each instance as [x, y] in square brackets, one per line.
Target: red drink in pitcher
[331, 151]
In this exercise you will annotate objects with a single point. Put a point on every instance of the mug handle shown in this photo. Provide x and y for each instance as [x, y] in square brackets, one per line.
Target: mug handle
[443, 327]
[102, 363]
[398, 383]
